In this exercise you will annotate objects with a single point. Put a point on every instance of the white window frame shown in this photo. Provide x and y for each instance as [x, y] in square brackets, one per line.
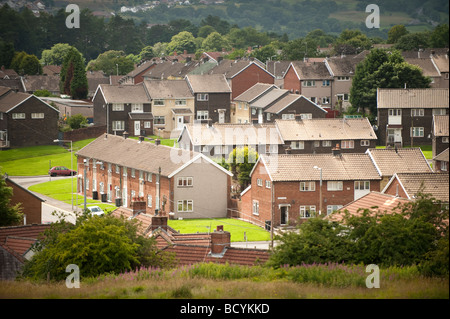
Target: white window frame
[289, 116]
[308, 186]
[308, 83]
[444, 166]
[326, 100]
[417, 131]
[255, 207]
[161, 119]
[417, 112]
[362, 185]
[347, 144]
[117, 107]
[36, 116]
[307, 209]
[439, 111]
[259, 182]
[444, 139]
[149, 200]
[180, 102]
[159, 102]
[202, 97]
[149, 177]
[137, 108]
[306, 116]
[18, 116]
[202, 115]
[365, 143]
[335, 186]
[332, 208]
[118, 125]
[268, 184]
[147, 124]
[297, 145]
[185, 181]
[185, 203]
[326, 143]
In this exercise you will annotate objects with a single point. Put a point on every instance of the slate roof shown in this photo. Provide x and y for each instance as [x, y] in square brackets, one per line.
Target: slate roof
[287, 100]
[412, 98]
[168, 89]
[123, 93]
[326, 129]
[442, 156]
[440, 125]
[231, 68]
[402, 160]
[41, 82]
[376, 202]
[167, 69]
[441, 62]
[10, 99]
[254, 92]
[345, 66]
[426, 65]
[208, 83]
[435, 184]
[311, 70]
[300, 167]
[267, 99]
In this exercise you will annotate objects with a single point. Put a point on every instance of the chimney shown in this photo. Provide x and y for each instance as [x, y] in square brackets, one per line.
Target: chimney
[125, 135]
[220, 240]
[158, 222]
[138, 205]
[157, 141]
[185, 52]
[336, 151]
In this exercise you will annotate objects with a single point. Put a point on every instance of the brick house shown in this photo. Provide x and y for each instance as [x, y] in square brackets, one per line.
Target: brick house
[285, 189]
[134, 173]
[405, 115]
[137, 75]
[321, 135]
[123, 108]
[441, 162]
[439, 134]
[242, 75]
[26, 120]
[240, 108]
[293, 106]
[212, 97]
[170, 70]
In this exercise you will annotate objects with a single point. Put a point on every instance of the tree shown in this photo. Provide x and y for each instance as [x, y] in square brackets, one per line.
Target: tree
[413, 41]
[9, 215]
[351, 42]
[57, 53]
[6, 53]
[73, 80]
[382, 69]
[77, 121]
[146, 53]
[439, 36]
[182, 41]
[215, 42]
[241, 162]
[396, 32]
[24, 63]
[112, 62]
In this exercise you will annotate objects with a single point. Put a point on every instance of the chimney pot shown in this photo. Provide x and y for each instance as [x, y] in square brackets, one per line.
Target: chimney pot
[219, 241]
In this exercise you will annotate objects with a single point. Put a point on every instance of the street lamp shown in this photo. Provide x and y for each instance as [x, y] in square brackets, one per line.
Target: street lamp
[320, 189]
[71, 161]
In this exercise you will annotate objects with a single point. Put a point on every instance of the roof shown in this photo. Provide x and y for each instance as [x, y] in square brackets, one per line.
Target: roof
[300, 167]
[11, 99]
[208, 83]
[287, 100]
[441, 62]
[374, 201]
[311, 70]
[51, 69]
[135, 154]
[254, 92]
[270, 97]
[168, 89]
[232, 134]
[412, 98]
[440, 125]
[402, 160]
[167, 69]
[123, 93]
[278, 68]
[326, 129]
[345, 66]
[231, 68]
[426, 65]
[41, 82]
[442, 156]
[435, 184]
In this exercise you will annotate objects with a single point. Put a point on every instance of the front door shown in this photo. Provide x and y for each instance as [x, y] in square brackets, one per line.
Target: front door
[137, 128]
[180, 122]
[394, 135]
[221, 117]
[284, 215]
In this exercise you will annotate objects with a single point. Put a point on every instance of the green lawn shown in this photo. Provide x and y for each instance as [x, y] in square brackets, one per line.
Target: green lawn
[164, 141]
[234, 226]
[37, 160]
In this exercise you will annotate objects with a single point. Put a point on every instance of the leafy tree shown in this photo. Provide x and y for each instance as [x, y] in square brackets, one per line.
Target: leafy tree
[215, 42]
[439, 36]
[413, 41]
[73, 79]
[396, 32]
[112, 62]
[351, 42]
[6, 53]
[206, 30]
[24, 63]
[77, 121]
[9, 215]
[57, 53]
[241, 161]
[182, 41]
[265, 53]
[299, 48]
[146, 53]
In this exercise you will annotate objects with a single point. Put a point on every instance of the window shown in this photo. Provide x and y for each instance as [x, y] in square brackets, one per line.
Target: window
[133, 172]
[439, 112]
[365, 142]
[18, 116]
[149, 177]
[287, 116]
[326, 100]
[335, 185]
[117, 107]
[185, 206]
[342, 97]
[202, 97]
[137, 108]
[395, 112]
[362, 185]
[180, 102]
[306, 116]
[307, 211]
[118, 125]
[326, 83]
[125, 171]
[307, 186]
[185, 181]
[267, 184]
[444, 166]
[259, 182]
[268, 116]
[326, 143]
[202, 115]
[416, 131]
[255, 209]
[159, 120]
[309, 83]
[343, 78]
[117, 169]
[147, 124]
[445, 139]
[332, 208]
[158, 102]
[298, 145]
[313, 99]
[417, 112]
[316, 144]
[149, 201]
[348, 144]
[37, 115]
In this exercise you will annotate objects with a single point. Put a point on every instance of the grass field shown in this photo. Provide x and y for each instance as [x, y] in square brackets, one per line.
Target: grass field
[37, 160]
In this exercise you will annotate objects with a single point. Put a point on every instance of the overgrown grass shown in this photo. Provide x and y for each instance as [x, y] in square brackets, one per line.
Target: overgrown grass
[237, 228]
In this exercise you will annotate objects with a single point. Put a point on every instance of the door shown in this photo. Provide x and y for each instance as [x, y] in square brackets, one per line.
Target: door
[221, 117]
[180, 122]
[284, 214]
[137, 128]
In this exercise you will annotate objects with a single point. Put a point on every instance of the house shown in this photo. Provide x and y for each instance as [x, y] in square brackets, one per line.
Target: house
[429, 69]
[408, 185]
[172, 106]
[375, 202]
[287, 189]
[15, 247]
[155, 178]
[442, 64]
[170, 70]
[30, 204]
[212, 97]
[51, 70]
[440, 162]
[405, 115]
[33, 83]
[322, 135]
[6, 74]
[439, 134]
[390, 161]
[137, 75]
[69, 107]
[123, 108]
[26, 120]
[278, 69]
[242, 75]
[219, 140]
[264, 101]
[293, 106]
[310, 79]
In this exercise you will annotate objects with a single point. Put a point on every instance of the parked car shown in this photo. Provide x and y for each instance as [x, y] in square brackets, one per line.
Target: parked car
[61, 170]
[95, 211]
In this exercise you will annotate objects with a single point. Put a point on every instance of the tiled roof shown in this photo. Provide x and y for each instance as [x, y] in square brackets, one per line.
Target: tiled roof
[124, 93]
[412, 98]
[443, 156]
[254, 92]
[326, 129]
[167, 69]
[233, 134]
[168, 89]
[208, 83]
[18, 239]
[425, 64]
[267, 99]
[300, 167]
[11, 99]
[51, 69]
[287, 100]
[374, 201]
[345, 66]
[278, 68]
[440, 125]
[311, 70]
[441, 62]
[41, 82]
[402, 160]
[19, 244]
[435, 184]
[230, 68]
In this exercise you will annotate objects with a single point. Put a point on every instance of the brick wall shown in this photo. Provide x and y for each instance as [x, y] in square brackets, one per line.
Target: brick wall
[84, 133]
[249, 77]
[31, 205]
[395, 188]
[291, 81]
